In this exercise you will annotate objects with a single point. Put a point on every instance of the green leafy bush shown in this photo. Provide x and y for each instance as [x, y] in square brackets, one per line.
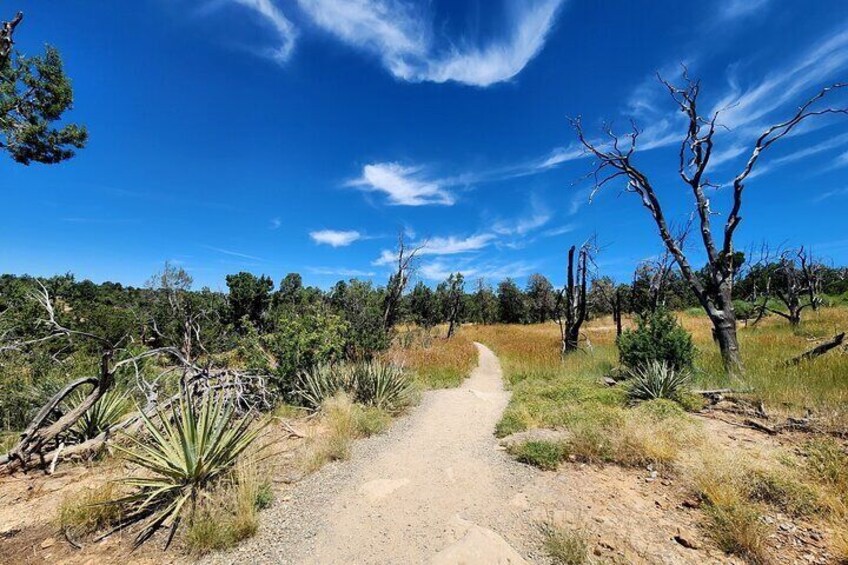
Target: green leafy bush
[743, 309]
[656, 380]
[657, 337]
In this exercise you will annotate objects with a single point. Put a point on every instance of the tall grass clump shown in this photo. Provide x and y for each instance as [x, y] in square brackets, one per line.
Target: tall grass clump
[89, 510]
[182, 455]
[342, 422]
[565, 546]
[230, 512]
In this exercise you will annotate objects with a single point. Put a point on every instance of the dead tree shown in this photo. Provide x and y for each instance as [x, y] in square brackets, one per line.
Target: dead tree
[614, 160]
[616, 310]
[571, 300]
[7, 43]
[793, 280]
[405, 263]
[456, 288]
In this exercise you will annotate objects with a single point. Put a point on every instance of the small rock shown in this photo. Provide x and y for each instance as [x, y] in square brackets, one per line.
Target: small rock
[49, 542]
[609, 382]
[686, 539]
[690, 503]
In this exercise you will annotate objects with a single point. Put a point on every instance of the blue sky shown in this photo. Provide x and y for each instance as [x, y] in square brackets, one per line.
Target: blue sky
[301, 135]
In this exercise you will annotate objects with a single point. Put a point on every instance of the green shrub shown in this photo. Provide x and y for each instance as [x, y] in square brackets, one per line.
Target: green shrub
[302, 341]
[656, 380]
[743, 309]
[657, 337]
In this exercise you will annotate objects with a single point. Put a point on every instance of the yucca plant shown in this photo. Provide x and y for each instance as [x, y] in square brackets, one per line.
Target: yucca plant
[103, 414]
[383, 385]
[657, 379]
[320, 383]
[189, 448]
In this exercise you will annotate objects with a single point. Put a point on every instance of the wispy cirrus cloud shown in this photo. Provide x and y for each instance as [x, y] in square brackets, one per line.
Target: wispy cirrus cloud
[232, 253]
[535, 218]
[284, 29]
[403, 185]
[335, 238]
[450, 245]
[402, 35]
[441, 269]
[340, 272]
[828, 194]
[739, 9]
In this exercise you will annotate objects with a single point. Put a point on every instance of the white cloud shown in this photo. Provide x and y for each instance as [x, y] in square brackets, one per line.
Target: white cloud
[502, 60]
[276, 223]
[748, 106]
[538, 216]
[335, 238]
[562, 155]
[439, 270]
[450, 245]
[233, 253]
[340, 272]
[401, 34]
[735, 9]
[404, 186]
[553, 232]
[284, 29]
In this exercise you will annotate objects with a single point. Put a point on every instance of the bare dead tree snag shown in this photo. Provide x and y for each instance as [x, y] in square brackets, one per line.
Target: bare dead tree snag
[571, 300]
[405, 263]
[7, 43]
[821, 349]
[616, 311]
[614, 160]
[456, 285]
[794, 280]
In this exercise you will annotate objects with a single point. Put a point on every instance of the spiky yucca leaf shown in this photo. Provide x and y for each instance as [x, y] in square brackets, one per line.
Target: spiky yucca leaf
[657, 379]
[382, 385]
[189, 448]
[321, 383]
[102, 415]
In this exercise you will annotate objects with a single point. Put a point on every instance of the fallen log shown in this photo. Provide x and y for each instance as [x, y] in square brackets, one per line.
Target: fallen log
[818, 350]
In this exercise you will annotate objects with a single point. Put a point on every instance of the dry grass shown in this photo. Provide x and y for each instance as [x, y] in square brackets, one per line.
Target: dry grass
[230, 513]
[818, 385]
[342, 422]
[565, 546]
[88, 510]
[810, 481]
[436, 361]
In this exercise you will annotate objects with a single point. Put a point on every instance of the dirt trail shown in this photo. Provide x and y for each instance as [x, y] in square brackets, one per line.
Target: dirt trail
[434, 489]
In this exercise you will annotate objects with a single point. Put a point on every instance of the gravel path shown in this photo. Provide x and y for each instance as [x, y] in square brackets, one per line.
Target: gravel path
[435, 488]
